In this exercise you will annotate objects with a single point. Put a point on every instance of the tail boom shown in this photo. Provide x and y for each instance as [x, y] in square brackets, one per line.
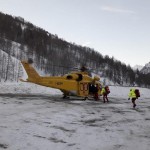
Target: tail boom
[33, 76]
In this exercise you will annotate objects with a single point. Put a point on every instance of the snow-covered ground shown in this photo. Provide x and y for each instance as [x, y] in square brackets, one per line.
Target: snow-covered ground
[36, 118]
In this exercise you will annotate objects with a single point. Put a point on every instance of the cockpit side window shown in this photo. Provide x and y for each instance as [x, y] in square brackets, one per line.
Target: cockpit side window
[80, 77]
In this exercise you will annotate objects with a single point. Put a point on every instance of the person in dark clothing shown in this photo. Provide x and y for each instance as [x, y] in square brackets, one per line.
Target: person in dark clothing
[93, 89]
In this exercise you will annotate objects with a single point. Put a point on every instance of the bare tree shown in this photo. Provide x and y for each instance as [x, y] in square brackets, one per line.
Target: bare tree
[8, 49]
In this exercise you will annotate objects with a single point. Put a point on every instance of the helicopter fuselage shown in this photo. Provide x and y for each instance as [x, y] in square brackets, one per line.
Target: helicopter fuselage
[74, 83]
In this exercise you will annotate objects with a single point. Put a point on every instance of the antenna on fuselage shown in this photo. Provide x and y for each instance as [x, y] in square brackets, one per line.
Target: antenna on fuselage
[30, 61]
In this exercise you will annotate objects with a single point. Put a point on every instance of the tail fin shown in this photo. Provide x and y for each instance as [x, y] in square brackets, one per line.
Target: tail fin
[31, 72]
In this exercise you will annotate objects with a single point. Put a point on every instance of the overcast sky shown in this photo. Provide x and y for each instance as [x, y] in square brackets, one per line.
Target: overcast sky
[119, 28]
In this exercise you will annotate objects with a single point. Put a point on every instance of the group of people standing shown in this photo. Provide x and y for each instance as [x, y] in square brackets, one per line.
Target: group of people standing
[104, 92]
[133, 94]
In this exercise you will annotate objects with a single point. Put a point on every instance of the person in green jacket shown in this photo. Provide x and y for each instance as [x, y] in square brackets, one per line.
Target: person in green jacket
[133, 97]
[104, 94]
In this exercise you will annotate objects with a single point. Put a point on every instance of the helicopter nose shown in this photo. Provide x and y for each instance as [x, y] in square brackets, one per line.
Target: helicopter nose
[96, 78]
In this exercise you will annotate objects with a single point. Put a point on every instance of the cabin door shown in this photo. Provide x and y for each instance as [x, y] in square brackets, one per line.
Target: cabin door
[83, 89]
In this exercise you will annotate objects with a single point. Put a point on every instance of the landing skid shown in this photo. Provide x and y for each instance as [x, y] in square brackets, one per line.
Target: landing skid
[74, 97]
[65, 97]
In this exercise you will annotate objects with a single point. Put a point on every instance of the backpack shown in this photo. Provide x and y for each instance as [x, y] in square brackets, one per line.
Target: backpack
[107, 90]
[137, 92]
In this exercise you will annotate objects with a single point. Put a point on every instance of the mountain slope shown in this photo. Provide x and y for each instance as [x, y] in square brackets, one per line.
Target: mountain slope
[146, 69]
[55, 56]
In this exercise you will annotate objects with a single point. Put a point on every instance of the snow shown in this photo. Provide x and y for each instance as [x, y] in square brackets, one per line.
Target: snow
[36, 118]
[27, 88]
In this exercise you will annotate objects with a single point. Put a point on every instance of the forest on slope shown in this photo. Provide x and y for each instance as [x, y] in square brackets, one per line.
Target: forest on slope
[20, 40]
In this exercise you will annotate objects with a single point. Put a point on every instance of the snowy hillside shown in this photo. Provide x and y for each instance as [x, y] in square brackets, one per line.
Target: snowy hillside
[37, 118]
[10, 69]
[27, 88]
[146, 69]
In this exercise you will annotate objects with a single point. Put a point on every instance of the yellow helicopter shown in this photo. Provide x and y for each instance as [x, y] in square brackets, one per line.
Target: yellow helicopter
[76, 83]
